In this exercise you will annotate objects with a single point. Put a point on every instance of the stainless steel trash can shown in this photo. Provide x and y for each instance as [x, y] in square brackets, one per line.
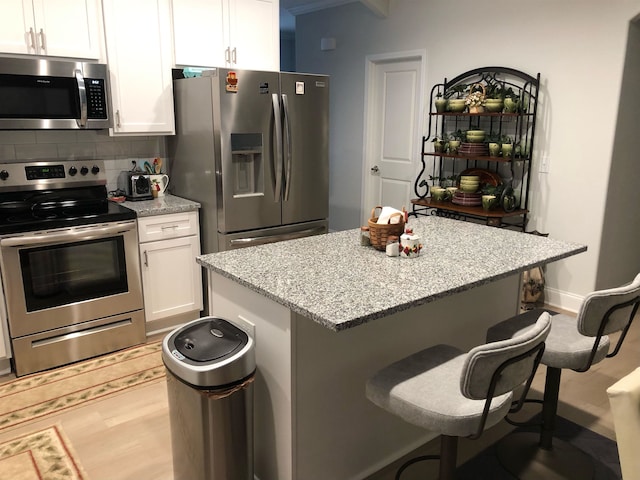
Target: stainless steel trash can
[210, 370]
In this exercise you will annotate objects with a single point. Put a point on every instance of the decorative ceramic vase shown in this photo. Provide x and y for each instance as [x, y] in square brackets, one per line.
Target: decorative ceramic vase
[494, 149]
[437, 194]
[476, 109]
[510, 105]
[441, 104]
[438, 146]
[507, 149]
[454, 145]
[488, 202]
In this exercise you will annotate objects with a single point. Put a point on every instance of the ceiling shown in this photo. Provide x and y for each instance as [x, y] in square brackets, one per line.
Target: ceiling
[290, 8]
[297, 7]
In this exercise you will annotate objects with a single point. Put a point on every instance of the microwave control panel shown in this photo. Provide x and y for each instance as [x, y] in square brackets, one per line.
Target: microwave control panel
[96, 98]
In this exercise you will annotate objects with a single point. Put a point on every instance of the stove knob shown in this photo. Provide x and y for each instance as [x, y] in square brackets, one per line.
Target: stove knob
[73, 171]
[4, 175]
[84, 171]
[95, 169]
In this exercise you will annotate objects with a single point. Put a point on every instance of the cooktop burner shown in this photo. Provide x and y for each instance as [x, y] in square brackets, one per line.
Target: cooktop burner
[44, 196]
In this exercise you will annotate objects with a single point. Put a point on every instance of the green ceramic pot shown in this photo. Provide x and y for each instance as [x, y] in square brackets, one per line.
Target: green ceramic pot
[441, 104]
[493, 104]
[457, 105]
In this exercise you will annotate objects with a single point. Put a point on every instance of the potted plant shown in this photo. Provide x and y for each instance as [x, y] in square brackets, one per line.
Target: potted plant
[457, 104]
[494, 101]
[439, 143]
[494, 144]
[507, 146]
[511, 102]
[435, 180]
[454, 141]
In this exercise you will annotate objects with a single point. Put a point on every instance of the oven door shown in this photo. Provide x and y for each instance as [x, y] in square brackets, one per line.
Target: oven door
[70, 276]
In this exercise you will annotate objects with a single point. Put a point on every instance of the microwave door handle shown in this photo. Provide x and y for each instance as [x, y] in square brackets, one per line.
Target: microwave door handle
[277, 161]
[82, 96]
[287, 147]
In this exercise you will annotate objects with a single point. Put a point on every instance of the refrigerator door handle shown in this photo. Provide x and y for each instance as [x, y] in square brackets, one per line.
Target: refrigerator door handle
[287, 147]
[253, 241]
[277, 161]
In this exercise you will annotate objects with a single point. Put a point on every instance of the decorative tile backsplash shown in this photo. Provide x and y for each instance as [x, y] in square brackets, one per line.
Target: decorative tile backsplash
[118, 153]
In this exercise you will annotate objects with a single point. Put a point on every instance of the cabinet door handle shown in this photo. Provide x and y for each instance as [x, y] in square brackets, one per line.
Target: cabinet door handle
[146, 259]
[234, 58]
[227, 55]
[43, 45]
[118, 118]
[32, 36]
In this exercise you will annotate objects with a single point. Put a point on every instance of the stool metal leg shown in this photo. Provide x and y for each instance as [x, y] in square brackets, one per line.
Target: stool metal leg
[530, 456]
[448, 457]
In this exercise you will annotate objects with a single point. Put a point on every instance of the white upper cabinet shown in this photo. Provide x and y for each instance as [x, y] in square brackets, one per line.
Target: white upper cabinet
[138, 38]
[48, 27]
[199, 38]
[227, 33]
[254, 34]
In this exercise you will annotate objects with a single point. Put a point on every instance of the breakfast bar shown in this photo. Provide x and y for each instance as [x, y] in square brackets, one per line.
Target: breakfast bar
[326, 313]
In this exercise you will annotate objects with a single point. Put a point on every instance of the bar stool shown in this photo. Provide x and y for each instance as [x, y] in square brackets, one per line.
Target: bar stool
[457, 394]
[576, 344]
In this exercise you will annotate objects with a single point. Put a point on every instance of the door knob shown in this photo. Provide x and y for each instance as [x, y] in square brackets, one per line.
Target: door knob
[375, 169]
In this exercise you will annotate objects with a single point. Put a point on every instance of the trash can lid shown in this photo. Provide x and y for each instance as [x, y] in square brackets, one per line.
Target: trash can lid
[210, 340]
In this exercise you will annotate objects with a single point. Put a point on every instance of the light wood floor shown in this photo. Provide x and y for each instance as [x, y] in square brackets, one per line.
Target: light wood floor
[127, 436]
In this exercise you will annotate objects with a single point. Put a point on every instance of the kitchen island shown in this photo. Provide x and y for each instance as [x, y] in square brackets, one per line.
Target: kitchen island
[327, 313]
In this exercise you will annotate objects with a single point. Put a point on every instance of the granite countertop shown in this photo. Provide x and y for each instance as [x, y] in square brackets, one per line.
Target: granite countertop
[340, 284]
[162, 206]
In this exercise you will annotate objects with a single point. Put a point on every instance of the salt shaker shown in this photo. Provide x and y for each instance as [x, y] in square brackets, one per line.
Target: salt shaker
[365, 238]
[392, 247]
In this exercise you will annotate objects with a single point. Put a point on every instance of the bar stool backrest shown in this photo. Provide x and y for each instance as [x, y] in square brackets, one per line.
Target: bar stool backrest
[608, 311]
[499, 367]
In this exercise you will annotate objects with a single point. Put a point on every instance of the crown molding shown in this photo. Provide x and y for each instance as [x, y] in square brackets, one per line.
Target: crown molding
[379, 7]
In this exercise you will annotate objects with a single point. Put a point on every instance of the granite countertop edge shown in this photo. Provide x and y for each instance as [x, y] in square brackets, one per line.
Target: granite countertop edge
[345, 325]
[318, 264]
[161, 206]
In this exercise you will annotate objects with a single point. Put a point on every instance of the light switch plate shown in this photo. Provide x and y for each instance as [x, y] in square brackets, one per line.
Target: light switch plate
[544, 164]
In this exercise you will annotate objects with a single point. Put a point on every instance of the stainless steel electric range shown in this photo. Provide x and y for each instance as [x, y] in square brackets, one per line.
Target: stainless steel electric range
[70, 264]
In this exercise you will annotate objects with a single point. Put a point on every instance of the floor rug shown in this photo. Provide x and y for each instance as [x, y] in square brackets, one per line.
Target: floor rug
[41, 394]
[43, 455]
[603, 451]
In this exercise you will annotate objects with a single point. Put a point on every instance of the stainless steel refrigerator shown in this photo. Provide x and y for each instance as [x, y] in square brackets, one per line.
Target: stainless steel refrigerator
[252, 148]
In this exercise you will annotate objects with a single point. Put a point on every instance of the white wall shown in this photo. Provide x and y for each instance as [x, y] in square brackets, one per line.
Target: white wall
[578, 46]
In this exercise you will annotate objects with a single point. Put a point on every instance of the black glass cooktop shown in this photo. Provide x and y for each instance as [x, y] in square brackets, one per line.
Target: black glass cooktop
[26, 211]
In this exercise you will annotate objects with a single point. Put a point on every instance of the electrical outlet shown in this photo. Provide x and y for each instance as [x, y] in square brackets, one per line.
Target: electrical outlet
[544, 164]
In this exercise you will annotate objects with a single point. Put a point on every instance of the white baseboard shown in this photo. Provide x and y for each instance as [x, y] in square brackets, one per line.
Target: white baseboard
[564, 300]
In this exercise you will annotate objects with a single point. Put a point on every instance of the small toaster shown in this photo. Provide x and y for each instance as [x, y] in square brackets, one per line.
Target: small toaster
[136, 185]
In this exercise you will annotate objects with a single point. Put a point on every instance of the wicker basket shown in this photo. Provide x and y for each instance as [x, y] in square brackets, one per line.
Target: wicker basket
[379, 232]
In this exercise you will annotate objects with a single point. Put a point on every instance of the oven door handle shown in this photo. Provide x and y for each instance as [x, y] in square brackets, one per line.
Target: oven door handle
[77, 234]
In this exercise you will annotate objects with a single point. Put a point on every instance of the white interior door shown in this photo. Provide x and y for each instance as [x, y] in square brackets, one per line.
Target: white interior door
[393, 132]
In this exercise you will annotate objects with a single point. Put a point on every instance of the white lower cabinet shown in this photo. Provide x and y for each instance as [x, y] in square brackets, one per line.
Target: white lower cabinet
[171, 278]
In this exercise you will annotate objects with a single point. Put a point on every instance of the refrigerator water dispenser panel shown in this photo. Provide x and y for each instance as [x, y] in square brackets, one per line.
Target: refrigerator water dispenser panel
[247, 158]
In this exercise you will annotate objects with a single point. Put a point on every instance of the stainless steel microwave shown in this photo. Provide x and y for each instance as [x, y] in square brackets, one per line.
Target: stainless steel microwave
[40, 94]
